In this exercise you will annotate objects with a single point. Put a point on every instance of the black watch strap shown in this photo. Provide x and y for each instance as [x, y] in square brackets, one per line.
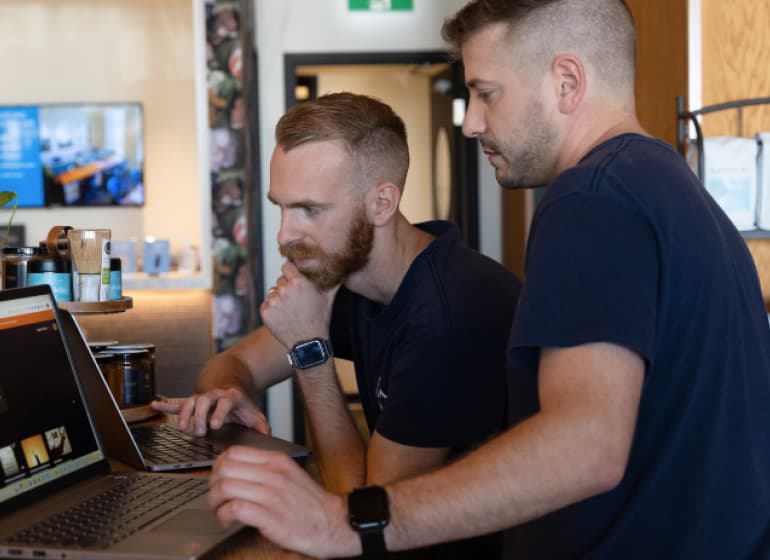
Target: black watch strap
[369, 514]
[373, 545]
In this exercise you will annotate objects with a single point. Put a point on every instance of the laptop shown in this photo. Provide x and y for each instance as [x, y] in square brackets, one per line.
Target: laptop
[159, 447]
[58, 496]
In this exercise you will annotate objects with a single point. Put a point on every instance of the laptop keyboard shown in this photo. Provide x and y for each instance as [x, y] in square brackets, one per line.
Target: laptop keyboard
[114, 515]
[165, 444]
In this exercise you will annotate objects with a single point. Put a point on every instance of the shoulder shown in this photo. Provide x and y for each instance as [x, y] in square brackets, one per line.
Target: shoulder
[462, 283]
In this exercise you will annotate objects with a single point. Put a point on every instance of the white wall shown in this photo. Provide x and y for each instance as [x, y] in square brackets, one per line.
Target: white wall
[326, 26]
[115, 50]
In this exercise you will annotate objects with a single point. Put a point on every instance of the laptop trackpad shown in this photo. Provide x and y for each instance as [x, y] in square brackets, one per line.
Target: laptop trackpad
[195, 521]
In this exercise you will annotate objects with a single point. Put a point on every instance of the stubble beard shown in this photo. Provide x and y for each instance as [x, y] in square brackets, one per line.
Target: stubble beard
[531, 163]
[334, 268]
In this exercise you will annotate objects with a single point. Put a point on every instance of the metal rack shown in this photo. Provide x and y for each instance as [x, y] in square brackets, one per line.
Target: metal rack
[684, 117]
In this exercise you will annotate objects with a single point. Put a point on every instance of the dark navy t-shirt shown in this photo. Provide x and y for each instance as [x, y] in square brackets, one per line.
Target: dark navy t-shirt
[431, 365]
[629, 248]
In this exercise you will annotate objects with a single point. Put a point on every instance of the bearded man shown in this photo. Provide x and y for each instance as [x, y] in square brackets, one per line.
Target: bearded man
[424, 319]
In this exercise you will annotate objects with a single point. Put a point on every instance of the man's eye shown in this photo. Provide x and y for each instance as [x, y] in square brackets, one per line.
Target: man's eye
[484, 95]
[311, 210]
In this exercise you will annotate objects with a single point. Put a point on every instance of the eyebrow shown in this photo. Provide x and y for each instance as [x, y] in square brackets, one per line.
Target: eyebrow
[475, 83]
[298, 203]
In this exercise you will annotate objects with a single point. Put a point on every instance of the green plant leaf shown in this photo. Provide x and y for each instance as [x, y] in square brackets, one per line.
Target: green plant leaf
[6, 197]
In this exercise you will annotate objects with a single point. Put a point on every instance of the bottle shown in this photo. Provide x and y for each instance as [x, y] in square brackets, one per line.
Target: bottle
[116, 282]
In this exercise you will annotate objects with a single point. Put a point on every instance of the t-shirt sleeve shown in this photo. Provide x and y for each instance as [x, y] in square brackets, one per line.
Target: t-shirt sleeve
[446, 389]
[592, 275]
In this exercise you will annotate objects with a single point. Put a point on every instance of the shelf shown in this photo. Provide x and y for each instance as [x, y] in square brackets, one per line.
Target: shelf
[165, 281]
[111, 306]
[756, 234]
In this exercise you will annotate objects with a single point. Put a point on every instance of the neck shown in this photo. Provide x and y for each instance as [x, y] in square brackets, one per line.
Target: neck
[591, 128]
[396, 245]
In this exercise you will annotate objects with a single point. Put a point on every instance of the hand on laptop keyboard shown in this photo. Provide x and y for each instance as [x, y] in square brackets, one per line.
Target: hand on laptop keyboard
[214, 408]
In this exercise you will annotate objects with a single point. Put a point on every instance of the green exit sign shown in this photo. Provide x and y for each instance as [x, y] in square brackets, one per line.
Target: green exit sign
[380, 5]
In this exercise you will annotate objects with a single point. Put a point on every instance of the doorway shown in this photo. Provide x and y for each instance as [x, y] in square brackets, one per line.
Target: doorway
[426, 90]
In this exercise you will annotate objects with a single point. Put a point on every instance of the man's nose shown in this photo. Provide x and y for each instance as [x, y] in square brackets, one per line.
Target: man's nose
[473, 123]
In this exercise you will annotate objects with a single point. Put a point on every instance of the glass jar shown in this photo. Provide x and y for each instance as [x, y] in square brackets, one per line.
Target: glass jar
[108, 367]
[15, 262]
[135, 375]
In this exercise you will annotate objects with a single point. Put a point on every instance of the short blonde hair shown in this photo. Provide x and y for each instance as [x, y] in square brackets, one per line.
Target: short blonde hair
[373, 134]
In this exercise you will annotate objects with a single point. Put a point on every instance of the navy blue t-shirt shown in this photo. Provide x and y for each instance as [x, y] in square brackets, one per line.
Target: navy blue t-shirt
[629, 248]
[431, 365]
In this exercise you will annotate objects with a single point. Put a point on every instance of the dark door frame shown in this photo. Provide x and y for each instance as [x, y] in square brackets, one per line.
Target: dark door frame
[465, 166]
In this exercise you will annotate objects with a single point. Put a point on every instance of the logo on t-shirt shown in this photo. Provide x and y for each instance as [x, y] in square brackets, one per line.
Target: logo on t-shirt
[379, 394]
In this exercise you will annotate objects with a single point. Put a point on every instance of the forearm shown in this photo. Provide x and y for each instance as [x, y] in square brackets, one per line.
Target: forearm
[252, 365]
[338, 446]
[224, 371]
[533, 469]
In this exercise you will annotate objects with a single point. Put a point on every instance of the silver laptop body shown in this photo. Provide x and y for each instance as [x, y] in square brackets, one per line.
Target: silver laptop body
[53, 463]
[123, 444]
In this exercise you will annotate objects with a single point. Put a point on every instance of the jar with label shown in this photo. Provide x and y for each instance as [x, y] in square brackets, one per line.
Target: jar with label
[108, 366]
[56, 272]
[135, 375]
[15, 262]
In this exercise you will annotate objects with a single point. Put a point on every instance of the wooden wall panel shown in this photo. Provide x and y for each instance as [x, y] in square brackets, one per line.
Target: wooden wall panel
[661, 72]
[661, 76]
[736, 62]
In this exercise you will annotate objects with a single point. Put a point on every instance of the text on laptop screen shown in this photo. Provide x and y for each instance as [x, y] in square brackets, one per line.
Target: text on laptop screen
[45, 432]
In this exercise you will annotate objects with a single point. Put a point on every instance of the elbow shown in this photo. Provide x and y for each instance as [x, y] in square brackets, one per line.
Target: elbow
[606, 470]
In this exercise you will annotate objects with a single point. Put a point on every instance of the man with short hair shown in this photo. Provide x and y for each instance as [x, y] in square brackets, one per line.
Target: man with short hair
[424, 319]
[641, 418]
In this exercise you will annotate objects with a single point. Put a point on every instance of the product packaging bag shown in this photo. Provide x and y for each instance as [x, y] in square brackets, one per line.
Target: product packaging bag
[730, 176]
[763, 181]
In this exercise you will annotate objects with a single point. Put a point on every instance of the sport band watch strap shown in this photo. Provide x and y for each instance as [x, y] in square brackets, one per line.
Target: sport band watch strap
[369, 514]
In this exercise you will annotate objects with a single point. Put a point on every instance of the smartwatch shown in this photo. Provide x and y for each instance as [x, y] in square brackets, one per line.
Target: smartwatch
[310, 353]
[369, 514]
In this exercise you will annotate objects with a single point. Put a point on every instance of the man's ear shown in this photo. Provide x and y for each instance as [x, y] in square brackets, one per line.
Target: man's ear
[382, 203]
[569, 79]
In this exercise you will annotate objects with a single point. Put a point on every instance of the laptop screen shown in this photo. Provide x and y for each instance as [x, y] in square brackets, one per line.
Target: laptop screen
[45, 432]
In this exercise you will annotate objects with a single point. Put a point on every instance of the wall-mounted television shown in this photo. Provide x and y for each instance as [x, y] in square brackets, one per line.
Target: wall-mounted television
[74, 154]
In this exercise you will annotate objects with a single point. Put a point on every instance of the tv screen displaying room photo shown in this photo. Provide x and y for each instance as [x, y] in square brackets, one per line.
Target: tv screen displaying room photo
[75, 154]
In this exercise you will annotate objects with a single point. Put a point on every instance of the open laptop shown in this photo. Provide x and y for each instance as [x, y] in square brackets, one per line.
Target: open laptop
[58, 497]
[159, 447]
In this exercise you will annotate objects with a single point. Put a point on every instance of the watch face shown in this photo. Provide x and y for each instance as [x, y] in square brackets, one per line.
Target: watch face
[310, 353]
[368, 507]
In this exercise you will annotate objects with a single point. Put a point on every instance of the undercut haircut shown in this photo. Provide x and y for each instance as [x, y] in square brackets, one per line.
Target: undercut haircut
[599, 32]
[372, 133]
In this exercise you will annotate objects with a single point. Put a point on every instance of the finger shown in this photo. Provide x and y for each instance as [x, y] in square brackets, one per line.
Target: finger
[186, 411]
[260, 423]
[224, 406]
[272, 468]
[290, 270]
[165, 406]
[202, 408]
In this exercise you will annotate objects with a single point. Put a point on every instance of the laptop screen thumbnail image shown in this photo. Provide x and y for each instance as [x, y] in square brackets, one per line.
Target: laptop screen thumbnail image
[45, 433]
